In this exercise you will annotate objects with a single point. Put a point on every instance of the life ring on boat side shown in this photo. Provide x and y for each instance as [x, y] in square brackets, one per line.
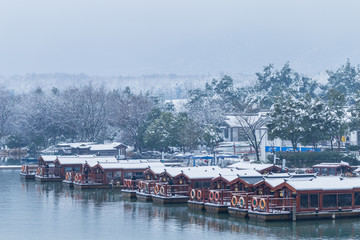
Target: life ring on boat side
[162, 190]
[38, 171]
[211, 195]
[125, 182]
[199, 194]
[234, 201]
[67, 176]
[156, 189]
[262, 203]
[241, 202]
[80, 178]
[76, 177]
[140, 185]
[129, 183]
[23, 168]
[193, 194]
[254, 202]
[281, 193]
[217, 196]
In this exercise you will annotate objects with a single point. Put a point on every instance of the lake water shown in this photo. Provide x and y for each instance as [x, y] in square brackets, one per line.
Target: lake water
[31, 210]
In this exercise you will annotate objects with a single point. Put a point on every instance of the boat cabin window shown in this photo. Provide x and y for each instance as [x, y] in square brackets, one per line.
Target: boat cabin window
[316, 170]
[314, 200]
[127, 175]
[338, 171]
[344, 200]
[324, 171]
[329, 201]
[357, 198]
[337, 200]
[68, 169]
[304, 201]
[202, 184]
[117, 176]
[77, 169]
[139, 175]
[109, 176]
[309, 200]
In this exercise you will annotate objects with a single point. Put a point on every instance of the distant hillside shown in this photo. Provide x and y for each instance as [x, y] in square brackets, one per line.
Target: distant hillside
[171, 86]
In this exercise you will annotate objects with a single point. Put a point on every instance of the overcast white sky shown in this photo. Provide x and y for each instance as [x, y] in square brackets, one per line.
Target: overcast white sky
[172, 36]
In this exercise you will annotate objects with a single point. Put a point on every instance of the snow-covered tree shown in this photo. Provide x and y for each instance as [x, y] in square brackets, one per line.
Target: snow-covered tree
[130, 112]
[346, 80]
[314, 121]
[187, 132]
[211, 137]
[7, 102]
[272, 84]
[159, 134]
[286, 120]
[337, 119]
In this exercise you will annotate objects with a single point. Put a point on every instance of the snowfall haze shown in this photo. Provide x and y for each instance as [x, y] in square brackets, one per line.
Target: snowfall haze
[136, 38]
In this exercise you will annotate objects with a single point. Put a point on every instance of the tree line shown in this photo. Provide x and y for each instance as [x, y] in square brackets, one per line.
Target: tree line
[301, 111]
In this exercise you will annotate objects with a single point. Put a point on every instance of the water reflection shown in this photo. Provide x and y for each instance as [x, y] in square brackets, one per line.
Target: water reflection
[10, 161]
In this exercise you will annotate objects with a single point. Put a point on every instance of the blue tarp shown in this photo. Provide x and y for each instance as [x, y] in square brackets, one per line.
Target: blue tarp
[290, 149]
[272, 149]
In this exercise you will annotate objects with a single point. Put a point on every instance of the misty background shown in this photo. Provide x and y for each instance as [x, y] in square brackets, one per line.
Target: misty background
[160, 45]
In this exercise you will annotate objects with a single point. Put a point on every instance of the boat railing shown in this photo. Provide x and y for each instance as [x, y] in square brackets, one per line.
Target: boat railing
[222, 196]
[29, 169]
[270, 204]
[199, 194]
[168, 190]
[241, 199]
[131, 184]
[46, 171]
[146, 186]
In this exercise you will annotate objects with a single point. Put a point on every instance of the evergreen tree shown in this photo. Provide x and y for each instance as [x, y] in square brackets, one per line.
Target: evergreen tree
[286, 120]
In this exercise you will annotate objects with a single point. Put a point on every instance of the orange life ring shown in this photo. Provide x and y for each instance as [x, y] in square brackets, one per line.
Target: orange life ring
[156, 189]
[67, 176]
[262, 203]
[140, 185]
[129, 183]
[76, 177]
[125, 182]
[234, 201]
[211, 195]
[281, 193]
[199, 195]
[241, 202]
[217, 196]
[254, 202]
[162, 190]
[193, 193]
[38, 171]
[22, 168]
[80, 178]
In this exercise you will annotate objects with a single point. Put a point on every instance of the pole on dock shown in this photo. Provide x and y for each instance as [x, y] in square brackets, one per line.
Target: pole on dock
[294, 213]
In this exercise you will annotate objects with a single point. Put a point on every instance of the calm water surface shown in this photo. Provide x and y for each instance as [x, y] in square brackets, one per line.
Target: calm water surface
[31, 210]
